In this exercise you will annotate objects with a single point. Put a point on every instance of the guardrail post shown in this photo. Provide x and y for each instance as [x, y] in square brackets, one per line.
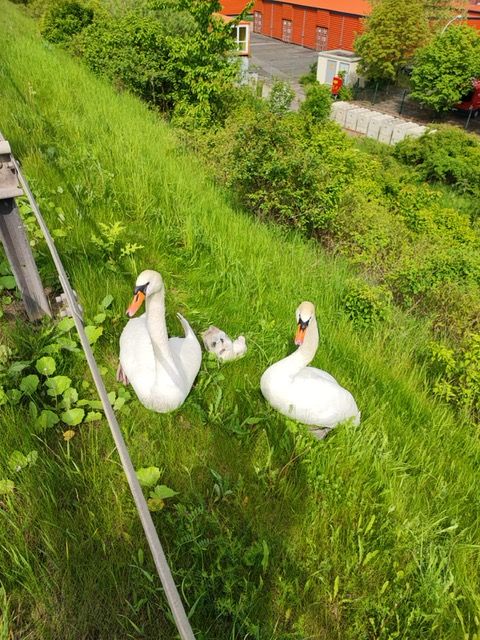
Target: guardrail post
[15, 241]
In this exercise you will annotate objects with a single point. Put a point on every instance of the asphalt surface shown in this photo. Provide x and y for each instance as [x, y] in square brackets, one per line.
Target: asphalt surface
[275, 60]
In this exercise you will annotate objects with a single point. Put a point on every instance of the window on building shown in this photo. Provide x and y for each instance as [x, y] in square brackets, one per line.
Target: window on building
[321, 43]
[286, 30]
[241, 36]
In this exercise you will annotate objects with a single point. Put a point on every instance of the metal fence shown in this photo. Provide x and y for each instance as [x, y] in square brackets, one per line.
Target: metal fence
[397, 101]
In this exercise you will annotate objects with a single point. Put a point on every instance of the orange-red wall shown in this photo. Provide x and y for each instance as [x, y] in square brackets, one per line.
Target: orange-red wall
[341, 27]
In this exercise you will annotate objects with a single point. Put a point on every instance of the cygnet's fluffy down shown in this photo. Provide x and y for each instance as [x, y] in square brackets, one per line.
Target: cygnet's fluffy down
[216, 341]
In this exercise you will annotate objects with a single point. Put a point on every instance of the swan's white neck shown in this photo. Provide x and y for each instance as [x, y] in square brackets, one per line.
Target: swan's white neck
[157, 327]
[306, 351]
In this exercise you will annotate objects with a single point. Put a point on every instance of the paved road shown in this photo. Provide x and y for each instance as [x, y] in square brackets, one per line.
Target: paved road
[276, 60]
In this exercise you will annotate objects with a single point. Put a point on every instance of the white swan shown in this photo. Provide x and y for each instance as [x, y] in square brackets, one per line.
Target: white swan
[304, 393]
[161, 370]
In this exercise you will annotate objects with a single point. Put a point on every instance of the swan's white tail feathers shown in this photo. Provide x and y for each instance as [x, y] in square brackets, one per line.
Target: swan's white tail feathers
[186, 327]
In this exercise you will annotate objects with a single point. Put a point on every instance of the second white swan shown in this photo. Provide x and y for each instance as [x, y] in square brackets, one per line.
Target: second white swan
[161, 370]
[303, 393]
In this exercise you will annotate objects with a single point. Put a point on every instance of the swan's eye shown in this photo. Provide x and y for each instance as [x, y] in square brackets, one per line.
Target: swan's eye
[303, 324]
[142, 288]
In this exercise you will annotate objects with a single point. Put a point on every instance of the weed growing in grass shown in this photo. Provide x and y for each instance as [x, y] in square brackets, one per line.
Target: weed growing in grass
[54, 399]
[111, 244]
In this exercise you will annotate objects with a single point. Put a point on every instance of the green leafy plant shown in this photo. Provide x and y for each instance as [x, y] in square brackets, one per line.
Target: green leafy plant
[457, 374]
[317, 103]
[280, 97]
[148, 478]
[444, 68]
[64, 19]
[367, 305]
[111, 244]
[393, 32]
[448, 155]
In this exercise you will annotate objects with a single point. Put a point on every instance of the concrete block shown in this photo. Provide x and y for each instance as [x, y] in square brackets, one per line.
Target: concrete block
[418, 130]
[373, 130]
[386, 130]
[340, 110]
[364, 118]
[401, 130]
[352, 118]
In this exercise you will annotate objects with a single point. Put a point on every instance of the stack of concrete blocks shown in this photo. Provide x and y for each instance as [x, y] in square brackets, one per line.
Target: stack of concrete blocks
[364, 120]
[352, 116]
[340, 110]
[407, 130]
[373, 124]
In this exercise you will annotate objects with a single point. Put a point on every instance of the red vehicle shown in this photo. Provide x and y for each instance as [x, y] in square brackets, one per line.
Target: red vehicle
[472, 100]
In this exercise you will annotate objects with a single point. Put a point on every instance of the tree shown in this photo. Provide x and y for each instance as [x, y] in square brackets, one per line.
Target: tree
[173, 53]
[393, 32]
[439, 12]
[444, 69]
[317, 103]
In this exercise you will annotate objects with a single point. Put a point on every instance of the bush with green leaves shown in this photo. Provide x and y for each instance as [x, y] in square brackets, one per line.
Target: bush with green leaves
[457, 373]
[282, 171]
[65, 19]
[393, 31]
[444, 68]
[447, 155]
[365, 304]
[280, 98]
[317, 103]
[168, 58]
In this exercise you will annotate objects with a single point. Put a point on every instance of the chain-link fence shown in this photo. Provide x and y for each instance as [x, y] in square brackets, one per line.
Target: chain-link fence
[397, 101]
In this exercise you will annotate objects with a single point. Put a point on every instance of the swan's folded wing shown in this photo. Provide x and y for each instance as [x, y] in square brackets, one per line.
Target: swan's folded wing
[311, 373]
[187, 354]
[320, 400]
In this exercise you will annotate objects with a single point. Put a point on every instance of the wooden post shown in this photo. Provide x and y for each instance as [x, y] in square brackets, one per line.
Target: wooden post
[15, 241]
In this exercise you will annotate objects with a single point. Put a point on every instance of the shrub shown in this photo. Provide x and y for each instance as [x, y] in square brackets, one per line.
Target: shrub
[444, 68]
[366, 305]
[447, 155]
[271, 170]
[64, 19]
[168, 62]
[280, 98]
[317, 103]
[457, 374]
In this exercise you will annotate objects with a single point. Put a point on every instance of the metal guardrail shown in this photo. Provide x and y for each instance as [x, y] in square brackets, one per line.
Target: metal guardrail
[161, 564]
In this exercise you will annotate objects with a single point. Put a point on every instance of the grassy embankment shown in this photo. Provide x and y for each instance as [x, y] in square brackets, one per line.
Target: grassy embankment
[370, 534]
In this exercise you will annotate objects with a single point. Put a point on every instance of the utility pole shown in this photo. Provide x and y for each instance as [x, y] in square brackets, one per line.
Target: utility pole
[15, 241]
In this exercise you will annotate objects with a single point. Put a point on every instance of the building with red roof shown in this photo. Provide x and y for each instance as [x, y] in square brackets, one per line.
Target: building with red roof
[316, 24]
[474, 14]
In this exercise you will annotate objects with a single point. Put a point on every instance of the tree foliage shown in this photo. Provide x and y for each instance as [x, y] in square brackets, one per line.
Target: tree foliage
[64, 19]
[317, 103]
[172, 53]
[440, 12]
[393, 32]
[444, 68]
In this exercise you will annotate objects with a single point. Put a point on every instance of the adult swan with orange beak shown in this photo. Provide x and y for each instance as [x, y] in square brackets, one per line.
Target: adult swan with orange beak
[303, 393]
[160, 369]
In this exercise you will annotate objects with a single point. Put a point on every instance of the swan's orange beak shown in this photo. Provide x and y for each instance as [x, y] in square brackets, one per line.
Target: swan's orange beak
[300, 335]
[136, 303]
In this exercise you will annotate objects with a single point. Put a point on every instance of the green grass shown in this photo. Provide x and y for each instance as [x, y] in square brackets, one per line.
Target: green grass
[370, 534]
